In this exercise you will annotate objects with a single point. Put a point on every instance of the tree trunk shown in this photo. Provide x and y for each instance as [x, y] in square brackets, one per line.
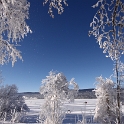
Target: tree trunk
[117, 63]
[118, 95]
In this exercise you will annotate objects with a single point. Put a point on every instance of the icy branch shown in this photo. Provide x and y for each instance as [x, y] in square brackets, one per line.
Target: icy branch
[56, 4]
[13, 28]
[108, 27]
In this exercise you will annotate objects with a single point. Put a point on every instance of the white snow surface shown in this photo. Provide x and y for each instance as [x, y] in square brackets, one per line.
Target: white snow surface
[75, 108]
[79, 107]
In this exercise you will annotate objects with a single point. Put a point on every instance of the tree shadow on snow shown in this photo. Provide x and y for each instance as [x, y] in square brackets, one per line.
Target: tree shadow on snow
[29, 119]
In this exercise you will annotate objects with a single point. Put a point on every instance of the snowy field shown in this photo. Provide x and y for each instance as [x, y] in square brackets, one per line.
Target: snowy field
[74, 110]
[81, 107]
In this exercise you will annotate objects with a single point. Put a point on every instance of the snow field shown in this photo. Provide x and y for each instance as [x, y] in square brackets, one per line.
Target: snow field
[77, 107]
[74, 110]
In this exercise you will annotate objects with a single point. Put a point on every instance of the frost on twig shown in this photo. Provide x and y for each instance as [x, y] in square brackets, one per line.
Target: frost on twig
[108, 27]
[120, 67]
[8, 52]
[13, 28]
[56, 4]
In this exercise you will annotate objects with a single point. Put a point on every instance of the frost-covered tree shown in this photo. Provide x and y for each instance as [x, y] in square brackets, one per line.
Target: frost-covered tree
[105, 111]
[55, 89]
[57, 4]
[13, 27]
[10, 102]
[108, 29]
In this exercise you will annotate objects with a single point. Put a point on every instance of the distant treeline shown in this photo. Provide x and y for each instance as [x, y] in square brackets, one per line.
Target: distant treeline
[82, 94]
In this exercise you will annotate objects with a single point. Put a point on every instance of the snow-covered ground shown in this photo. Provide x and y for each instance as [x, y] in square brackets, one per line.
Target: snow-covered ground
[75, 111]
[87, 105]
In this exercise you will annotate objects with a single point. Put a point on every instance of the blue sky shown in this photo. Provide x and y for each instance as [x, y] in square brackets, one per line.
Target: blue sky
[61, 44]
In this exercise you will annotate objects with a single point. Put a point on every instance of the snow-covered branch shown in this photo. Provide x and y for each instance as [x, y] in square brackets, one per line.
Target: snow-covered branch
[13, 28]
[56, 4]
[108, 27]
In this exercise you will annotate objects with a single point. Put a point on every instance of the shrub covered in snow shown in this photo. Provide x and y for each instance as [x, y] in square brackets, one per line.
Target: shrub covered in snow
[10, 102]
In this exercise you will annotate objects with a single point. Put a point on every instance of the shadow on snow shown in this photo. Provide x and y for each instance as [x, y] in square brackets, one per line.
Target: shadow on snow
[69, 118]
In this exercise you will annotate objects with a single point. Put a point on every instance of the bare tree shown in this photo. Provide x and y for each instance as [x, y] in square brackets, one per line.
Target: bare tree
[108, 29]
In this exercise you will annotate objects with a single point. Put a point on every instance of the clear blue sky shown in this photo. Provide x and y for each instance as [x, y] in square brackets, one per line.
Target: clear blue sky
[60, 44]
